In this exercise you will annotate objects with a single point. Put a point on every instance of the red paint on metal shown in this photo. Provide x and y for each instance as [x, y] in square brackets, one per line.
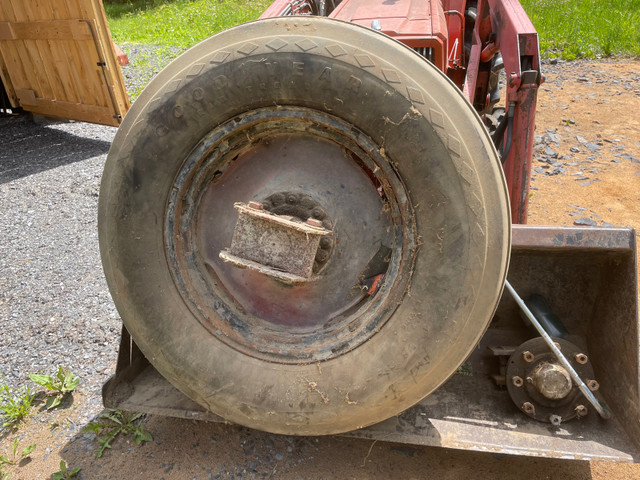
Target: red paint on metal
[518, 42]
[456, 55]
[377, 281]
[122, 57]
[500, 25]
[416, 23]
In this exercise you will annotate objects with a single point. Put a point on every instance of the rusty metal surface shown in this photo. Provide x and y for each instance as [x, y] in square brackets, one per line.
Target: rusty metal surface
[588, 278]
[275, 245]
[534, 376]
[289, 320]
[530, 237]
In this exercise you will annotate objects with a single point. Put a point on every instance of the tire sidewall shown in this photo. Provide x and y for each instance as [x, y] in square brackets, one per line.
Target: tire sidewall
[404, 105]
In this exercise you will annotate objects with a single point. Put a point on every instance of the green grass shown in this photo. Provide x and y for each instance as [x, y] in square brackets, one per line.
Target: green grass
[15, 404]
[568, 28]
[586, 28]
[179, 23]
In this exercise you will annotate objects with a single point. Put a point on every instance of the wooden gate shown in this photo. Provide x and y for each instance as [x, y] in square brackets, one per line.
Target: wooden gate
[57, 59]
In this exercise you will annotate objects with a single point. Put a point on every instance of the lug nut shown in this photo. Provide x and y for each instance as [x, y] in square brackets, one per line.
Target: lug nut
[529, 408]
[581, 358]
[517, 381]
[256, 205]
[314, 222]
[593, 385]
[555, 420]
[292, 199]
[322, 255]
[528, 356]
[318, 213]
[581, 410]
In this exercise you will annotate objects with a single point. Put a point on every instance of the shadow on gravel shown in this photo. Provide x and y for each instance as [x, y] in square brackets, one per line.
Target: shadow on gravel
[184, 449]
[27, 148]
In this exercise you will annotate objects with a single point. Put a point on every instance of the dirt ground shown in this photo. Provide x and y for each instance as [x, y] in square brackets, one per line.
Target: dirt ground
[587, 171]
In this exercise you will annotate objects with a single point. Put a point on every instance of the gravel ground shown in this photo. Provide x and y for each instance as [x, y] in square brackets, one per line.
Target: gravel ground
[55, 308]
[145, 62]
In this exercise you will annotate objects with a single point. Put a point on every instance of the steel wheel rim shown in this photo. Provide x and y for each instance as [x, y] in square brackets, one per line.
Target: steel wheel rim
[211, 292]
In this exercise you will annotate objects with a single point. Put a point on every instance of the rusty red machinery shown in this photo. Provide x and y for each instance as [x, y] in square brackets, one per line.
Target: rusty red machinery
[306, 226]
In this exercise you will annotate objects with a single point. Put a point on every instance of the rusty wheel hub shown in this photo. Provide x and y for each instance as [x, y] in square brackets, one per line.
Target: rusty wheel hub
[299, 168]
[303, 207]
[541, 387]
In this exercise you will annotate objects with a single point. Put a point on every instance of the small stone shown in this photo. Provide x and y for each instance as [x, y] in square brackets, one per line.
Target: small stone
[607, 224]
[550, 152]
[538, 170]
[585, 221]
[551, 138]
[583, 79]
[580, 139]
[575, 149]
[592, 146]
[615, 160]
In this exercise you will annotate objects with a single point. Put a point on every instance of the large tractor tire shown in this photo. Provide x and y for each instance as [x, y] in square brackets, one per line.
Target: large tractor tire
[320, 118]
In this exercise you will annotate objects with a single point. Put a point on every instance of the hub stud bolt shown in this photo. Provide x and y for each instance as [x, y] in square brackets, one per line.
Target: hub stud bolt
[555, 420]
[529, 408]
[528, 356]
[581, 410]
[593, 385]
[517, 381]
[318, 213]
[581, 358]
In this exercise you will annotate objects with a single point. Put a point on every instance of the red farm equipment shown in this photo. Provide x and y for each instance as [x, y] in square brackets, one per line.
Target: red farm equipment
[306, 225]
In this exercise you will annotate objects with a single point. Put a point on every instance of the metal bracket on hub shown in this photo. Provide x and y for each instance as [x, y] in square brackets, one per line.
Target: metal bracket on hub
[278, 246]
